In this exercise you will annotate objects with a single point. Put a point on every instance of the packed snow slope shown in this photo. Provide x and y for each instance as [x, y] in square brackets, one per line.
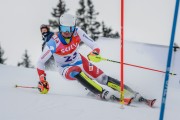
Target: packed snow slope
[68, 100]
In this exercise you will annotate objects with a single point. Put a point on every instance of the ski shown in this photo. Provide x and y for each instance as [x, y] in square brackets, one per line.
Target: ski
[114, 99]
[127, 101]
[148, 102]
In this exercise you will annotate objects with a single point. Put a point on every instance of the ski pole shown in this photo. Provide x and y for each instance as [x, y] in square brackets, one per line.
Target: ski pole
[19, 86]
[137, 66]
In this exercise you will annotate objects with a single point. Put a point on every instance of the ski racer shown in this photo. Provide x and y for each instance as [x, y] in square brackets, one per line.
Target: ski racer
[72, 65]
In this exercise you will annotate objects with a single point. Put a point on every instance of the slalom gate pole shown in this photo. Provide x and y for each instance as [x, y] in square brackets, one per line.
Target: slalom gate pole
[137, 66]
[165, 88]
[122, 55]
[19, 86]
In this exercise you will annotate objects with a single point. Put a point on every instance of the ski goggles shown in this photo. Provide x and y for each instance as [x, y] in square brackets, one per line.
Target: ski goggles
[67, 28]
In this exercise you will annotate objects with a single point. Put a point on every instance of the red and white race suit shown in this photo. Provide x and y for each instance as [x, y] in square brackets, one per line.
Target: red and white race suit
[67, 56]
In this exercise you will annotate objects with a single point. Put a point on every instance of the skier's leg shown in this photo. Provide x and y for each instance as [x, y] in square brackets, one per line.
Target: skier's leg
[93, 86]
[98, 75]
[115, 84]
[75, 72]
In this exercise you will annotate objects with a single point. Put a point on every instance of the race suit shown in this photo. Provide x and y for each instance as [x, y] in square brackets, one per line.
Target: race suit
[66, 56]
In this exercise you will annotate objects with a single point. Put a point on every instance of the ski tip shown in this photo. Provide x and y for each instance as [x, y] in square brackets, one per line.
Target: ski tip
[131, 100]
[151, 102]
[127, 101]
[16, 86]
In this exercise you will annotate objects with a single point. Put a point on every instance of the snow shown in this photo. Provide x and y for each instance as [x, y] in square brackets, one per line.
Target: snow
[68, 100]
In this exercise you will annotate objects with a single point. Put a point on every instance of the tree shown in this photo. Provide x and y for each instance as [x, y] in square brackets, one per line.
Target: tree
[26, 61]
[115, 35]
[57, 12]
[86, 19]
[93, 29]
[81, 16]
[107, 32]
[2, 60]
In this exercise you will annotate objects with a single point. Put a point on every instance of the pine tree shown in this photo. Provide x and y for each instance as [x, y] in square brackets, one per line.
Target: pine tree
[107, 32]
[2, 60]
[57, 12]
[81, 16]
[93, 29]
[26, 61]
[115, 35]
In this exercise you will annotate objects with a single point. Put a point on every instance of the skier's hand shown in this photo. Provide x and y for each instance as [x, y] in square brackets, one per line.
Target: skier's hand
[43, 85]
[94, 55]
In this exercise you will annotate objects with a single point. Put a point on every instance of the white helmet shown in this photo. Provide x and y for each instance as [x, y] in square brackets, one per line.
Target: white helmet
[67, 20]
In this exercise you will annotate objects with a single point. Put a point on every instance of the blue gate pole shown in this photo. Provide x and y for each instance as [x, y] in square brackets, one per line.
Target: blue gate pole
[164, 94]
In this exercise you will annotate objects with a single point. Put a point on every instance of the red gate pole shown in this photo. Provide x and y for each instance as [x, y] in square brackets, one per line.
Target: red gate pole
[122, 54]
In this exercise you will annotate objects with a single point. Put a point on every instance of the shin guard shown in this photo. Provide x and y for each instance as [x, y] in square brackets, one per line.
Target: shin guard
[115, 84]
[89, 83]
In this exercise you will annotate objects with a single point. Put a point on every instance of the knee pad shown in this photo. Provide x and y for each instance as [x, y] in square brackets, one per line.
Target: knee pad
[102, 79]
[71, 72]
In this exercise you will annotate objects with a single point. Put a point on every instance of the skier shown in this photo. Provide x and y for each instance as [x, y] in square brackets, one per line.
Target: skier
[63, 46]
[46, 36]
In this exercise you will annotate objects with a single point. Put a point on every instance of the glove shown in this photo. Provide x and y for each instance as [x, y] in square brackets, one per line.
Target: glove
[94, 55]
[43, 85]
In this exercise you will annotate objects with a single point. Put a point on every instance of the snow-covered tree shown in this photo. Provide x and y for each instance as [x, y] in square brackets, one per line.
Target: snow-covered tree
[2, 60]
[107, 32]
[94, 25]
[26, 61]
[57, 12]
[81, 16]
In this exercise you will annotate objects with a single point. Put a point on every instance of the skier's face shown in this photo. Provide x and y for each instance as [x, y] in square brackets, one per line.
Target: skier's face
[67, 34]
[67, 31]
